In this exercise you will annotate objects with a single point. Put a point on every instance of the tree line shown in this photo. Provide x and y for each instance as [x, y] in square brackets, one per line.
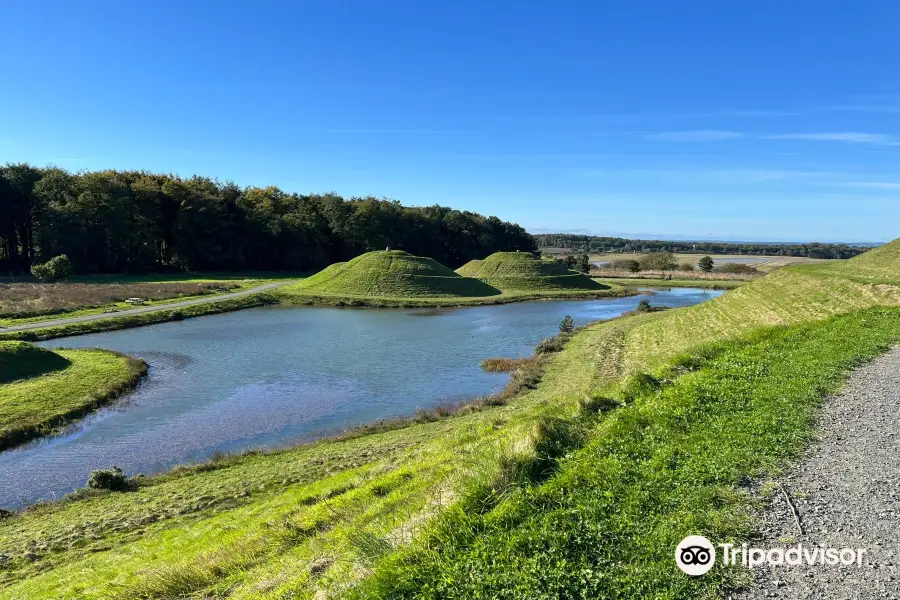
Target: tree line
[136, 221]
[598, 244]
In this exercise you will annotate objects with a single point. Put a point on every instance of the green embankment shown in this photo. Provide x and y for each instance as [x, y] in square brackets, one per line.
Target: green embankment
[19, 360]
[48, 389]
[511, 271]
[642, 429]
[393, 274]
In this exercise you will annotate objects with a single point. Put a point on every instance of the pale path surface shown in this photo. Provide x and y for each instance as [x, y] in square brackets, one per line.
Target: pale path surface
[847, 492]
[145, 309]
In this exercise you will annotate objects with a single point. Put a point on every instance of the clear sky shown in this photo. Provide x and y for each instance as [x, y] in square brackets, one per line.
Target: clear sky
[723, 119]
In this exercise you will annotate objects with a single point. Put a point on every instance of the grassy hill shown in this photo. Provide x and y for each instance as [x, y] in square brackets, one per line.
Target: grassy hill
[642, 430]
[522, 271]
[41, 390]
[19, 360]
[393, 274]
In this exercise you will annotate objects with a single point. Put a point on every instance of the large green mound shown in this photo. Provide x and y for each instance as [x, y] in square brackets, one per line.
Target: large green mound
[19, 360]
[394, 274]
[522, 271]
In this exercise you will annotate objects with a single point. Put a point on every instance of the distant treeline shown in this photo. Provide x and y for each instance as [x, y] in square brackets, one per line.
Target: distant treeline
[590, 243]
[135, 221]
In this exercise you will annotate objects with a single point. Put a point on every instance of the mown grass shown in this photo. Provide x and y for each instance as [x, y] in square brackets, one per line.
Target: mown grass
[659, 282]
[49, 398]
[19, 360]
[671, 462]
[393, 274]
[513, 271]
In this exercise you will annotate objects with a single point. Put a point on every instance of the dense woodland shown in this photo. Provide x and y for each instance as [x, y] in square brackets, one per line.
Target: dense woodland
[134, 221]
[590, 243]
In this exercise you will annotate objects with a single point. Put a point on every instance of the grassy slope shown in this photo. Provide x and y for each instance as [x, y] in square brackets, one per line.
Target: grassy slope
[34, 405]
[393, 274]
[509, 271]
[19, 360]
[668, 464]
[319, 517]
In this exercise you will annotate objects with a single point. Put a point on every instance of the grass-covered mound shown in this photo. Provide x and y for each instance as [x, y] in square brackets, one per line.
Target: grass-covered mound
[19, 360]
[522, 271]
[393, 274]
[55, 387]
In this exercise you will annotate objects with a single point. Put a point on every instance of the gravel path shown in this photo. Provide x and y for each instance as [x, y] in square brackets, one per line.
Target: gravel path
[846, 491]
[144, 309]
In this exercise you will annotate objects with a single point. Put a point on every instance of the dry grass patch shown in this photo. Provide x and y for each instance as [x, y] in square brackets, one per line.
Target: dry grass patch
[23, 300]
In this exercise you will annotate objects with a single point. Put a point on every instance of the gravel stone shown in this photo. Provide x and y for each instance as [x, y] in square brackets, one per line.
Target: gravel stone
[847, 492]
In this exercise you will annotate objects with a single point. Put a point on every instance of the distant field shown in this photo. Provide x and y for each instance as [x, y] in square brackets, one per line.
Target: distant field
[763, 263]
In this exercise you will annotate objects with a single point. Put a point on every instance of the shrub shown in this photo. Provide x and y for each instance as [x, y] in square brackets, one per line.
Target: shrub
[659, 261]
[686, 267]
[554, 344]
[567, 325]
[644, 306]
[706, 264]
[629, 264]
[736, 268]
[55, 269]
[109, 479]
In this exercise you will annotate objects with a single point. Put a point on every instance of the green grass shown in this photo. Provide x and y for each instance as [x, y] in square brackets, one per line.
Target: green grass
[77, 382]
[640, 429]
[706, 284]
[667, 464]
[19, 360]
[511, 271]
[392, 274]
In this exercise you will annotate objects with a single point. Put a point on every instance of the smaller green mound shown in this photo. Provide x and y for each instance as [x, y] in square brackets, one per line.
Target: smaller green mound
[34, 406]
[393, 274]
[522, 271]
[19, 360]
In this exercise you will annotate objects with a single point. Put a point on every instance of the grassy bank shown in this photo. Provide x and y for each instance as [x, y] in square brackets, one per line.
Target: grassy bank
[47, 399]
[671, 461]
[300, 297]
[641, 282]
[126, 322]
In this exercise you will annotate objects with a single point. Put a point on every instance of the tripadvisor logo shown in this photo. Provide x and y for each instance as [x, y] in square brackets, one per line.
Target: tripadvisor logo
[695, 555]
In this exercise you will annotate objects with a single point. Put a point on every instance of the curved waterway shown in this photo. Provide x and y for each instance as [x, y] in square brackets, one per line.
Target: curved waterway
[273, 376]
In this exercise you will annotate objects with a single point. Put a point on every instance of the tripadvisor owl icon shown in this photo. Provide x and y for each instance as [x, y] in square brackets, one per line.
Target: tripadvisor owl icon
[695, 555]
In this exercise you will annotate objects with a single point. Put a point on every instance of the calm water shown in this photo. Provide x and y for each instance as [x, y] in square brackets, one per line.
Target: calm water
[272, 376]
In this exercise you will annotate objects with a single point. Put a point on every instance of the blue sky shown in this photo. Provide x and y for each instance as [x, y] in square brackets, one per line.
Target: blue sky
[751, 120]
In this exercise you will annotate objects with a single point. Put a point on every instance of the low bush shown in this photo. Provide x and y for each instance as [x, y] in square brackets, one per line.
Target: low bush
[553, 344]
[113, 479]
[736, 268]
[630, 265]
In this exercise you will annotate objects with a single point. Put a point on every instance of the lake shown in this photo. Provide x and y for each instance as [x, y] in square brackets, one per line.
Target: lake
[274, 376]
